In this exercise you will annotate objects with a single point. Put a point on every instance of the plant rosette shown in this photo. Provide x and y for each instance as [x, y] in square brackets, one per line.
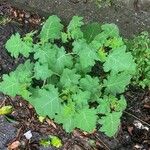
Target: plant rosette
[70, 95]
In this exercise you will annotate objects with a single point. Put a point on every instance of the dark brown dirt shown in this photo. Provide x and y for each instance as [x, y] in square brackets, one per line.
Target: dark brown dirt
[131, 16]
[129, 137]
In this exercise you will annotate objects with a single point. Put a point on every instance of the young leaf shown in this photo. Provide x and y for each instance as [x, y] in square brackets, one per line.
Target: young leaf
[87, 55]
[99, 41]
[102, 54]
[111, 30]
[51, 29]
[15, 45]
[41, 119]
[91, 84]
[73, 28]
[108, 31]
[11, 86]
[45, 142]
[114, 43]
[26, 49]
[104, 106]
[24, 72]
[111, 103]
[118, 105]
[66, 117]
[110, 123]
[64, 37]
[5, 110]
[46, 101]
[62, 60]
[17, 82]
[41, 71]
[69, 78]
[56, 142]
[81, 98]
[45, 53]
[116, 83]
[86, 119]
[80, 69]
[120, 60]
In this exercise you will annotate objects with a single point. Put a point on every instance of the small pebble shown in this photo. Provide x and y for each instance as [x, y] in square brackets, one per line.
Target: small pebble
[28, 135]
[139, 125]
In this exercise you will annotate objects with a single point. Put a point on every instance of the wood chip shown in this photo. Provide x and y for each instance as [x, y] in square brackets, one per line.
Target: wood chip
[50, 122]
[14, 146]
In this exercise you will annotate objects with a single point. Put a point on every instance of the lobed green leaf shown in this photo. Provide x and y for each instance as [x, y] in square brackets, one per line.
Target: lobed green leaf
[51, 29]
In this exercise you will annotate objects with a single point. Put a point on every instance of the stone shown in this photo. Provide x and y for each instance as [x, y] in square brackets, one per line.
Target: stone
[7, 132]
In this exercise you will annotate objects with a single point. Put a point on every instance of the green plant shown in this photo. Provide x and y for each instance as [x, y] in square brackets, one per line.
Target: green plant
[51, 141]
[63, 62]
[6, 110]
[139, 46]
